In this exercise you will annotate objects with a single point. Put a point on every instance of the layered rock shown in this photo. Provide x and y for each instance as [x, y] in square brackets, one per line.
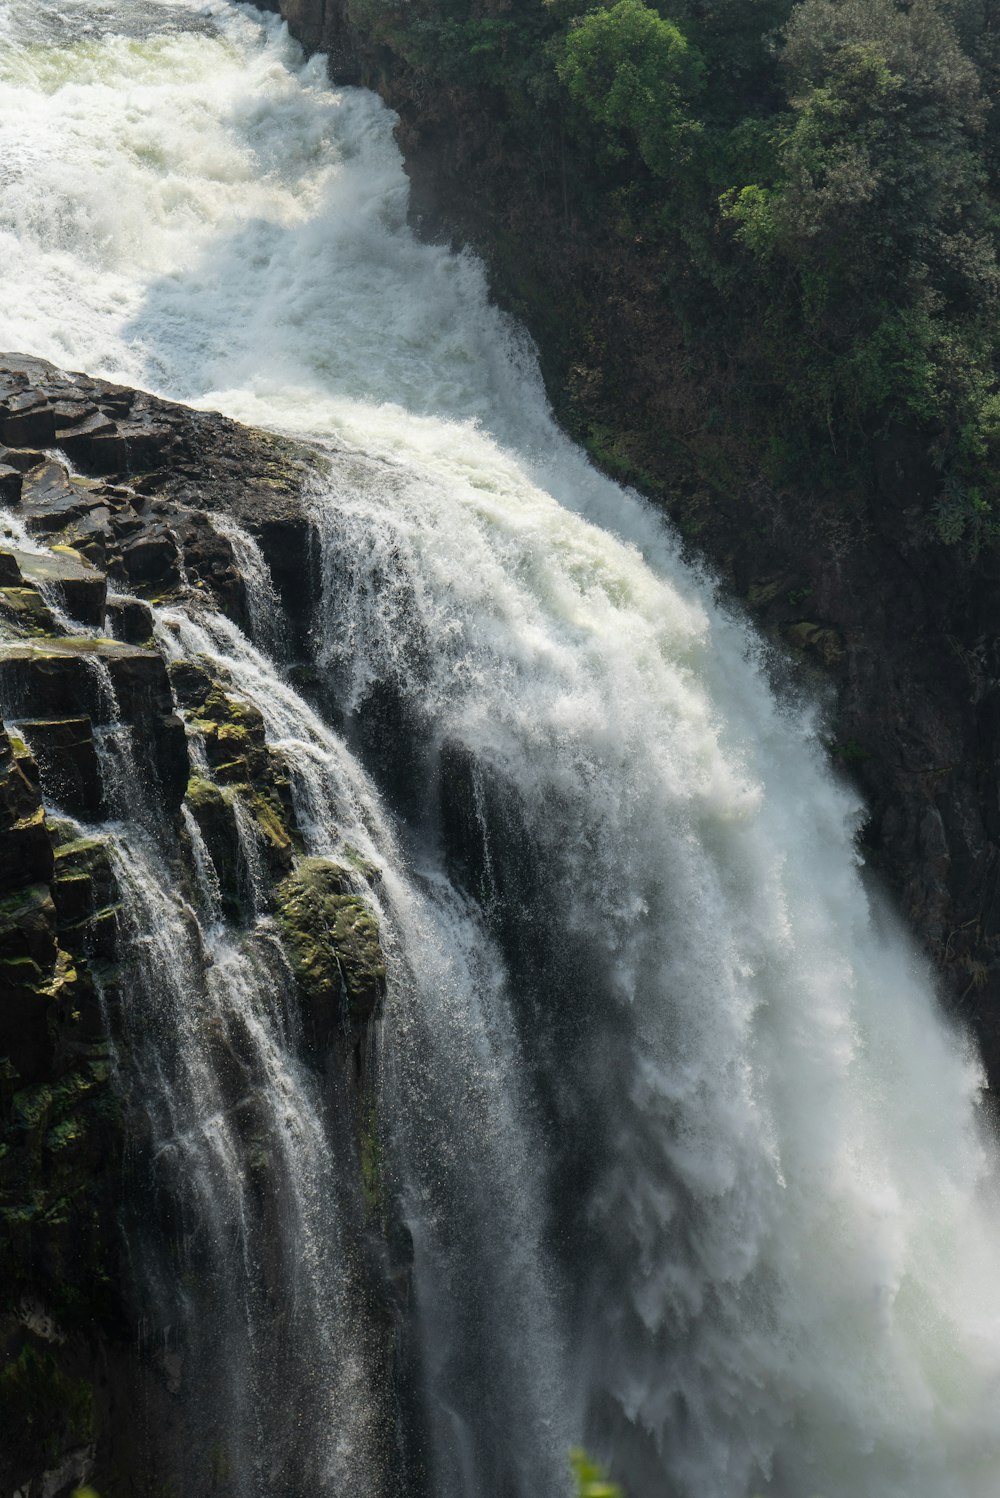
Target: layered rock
[110, 496]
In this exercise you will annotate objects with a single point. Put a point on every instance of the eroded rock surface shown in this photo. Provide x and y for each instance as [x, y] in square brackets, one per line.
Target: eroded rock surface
[108, 499]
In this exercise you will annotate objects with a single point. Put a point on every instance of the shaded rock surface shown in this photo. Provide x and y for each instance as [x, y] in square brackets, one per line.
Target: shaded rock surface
[93, 723]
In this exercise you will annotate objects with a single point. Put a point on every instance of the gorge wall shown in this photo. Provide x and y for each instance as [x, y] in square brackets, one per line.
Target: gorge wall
[101, 724]
[891, 625]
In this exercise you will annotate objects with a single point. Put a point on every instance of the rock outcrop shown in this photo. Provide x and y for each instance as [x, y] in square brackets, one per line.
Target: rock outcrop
[110, 499]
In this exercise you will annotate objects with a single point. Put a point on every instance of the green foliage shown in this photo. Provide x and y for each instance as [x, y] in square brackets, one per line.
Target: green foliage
[591, 1481]
[877, 219]
[457, 44]
[636, 75]
[812, 185]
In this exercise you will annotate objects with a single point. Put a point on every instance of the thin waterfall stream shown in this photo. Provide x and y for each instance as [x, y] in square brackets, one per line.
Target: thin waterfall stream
[682, 1160]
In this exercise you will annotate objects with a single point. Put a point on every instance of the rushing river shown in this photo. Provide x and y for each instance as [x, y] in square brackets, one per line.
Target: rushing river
[693, 1167]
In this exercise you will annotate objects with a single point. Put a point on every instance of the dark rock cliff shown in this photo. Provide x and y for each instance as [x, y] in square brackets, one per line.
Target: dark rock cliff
[132, 522]
[891, 627]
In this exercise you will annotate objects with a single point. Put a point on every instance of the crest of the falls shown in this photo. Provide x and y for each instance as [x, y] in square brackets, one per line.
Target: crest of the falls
[693, 1166]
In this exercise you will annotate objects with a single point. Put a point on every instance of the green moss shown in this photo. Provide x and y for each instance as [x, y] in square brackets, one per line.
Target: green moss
[331, 936]
[591, 1479]
[824, 643]
[364, 866]
[61, 830]
[80, 855]
[763, 591]
[202, 793]
[272, 827]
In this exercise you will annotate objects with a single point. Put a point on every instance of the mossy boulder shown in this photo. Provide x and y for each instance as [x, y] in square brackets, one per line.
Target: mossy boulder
[270, 818]
[331, 936]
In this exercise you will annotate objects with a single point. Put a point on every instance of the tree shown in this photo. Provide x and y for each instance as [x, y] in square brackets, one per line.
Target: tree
[636, 75]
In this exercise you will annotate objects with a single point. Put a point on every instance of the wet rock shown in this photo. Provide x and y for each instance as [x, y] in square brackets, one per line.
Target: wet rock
[288, 542]
[11, 480]
[97, 934]
[27, 427]
[181, 464]
[76, 440]
[67, 759]
[80, 587]
[28, 957]
[102, 680]
[27, 926]
[85, 858]
[89, 536]
[170, 756]
[191, 682]
[10, 572]
[152, 558]
[23, 459]
[129, 619]
[331, 936]
[56, 678]
[24, 613]
[25, 849]
[209, 563]
[50, 498]
[106, 453]
[148, 444]
[213, 813]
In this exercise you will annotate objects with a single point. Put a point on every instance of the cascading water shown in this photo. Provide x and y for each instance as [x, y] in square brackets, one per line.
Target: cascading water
[692, 1165]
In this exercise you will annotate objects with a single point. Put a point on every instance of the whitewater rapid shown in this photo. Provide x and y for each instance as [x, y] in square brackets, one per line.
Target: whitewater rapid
[694, 1168]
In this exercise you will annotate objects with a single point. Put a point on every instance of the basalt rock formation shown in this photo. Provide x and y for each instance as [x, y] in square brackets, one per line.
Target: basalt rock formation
[115, 498]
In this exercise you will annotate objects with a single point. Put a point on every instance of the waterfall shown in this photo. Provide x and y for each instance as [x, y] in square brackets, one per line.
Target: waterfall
[688, 1162]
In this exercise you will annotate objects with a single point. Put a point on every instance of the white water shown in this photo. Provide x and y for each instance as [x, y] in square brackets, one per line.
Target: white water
[694, 1168]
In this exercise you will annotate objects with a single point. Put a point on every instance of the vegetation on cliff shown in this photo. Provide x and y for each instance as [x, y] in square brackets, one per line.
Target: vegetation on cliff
[811, 190]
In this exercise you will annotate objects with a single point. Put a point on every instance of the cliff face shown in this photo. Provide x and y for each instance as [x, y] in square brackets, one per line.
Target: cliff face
[891, 627]
[86, 1396]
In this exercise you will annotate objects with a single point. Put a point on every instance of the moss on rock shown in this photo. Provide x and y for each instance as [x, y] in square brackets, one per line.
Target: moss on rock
[24, 612]
[331, 936]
